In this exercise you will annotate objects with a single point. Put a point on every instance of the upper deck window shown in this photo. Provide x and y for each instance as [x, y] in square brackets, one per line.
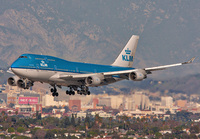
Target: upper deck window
[23, 57]
[39, 58]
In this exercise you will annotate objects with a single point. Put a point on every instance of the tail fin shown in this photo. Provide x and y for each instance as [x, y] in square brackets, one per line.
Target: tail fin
[126, 57]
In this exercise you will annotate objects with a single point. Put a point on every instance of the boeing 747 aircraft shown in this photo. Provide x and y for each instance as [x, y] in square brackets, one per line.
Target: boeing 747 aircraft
[30, 68]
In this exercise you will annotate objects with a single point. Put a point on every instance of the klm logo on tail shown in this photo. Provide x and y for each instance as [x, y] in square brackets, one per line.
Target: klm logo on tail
[127, 57]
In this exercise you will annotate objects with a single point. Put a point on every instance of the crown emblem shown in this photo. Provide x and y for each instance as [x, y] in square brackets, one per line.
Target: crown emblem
[128, 52]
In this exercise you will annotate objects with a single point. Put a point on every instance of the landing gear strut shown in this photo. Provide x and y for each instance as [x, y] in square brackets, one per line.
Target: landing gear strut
[84, 90]
[54, 91]
[71, 92]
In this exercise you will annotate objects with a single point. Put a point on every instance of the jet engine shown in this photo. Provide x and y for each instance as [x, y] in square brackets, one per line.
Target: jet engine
[138, 75]
[12, 81]
[16, 81]
[94, 80]
[25, 84]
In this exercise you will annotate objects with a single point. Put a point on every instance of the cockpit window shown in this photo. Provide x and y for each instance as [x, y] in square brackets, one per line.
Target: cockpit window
[23, 57]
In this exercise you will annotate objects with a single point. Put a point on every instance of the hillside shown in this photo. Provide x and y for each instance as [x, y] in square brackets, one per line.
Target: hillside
[76, 29]
[97, 31]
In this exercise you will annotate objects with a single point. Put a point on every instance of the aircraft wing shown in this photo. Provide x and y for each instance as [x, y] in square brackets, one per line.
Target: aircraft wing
[168, 66]
[124, 72]
[149, 70]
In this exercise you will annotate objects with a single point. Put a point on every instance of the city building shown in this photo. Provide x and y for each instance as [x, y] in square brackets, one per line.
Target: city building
[12, 100]
[29, 108]
[141, 101]
[129, 103]
[116, 101]
[167, 101]
[95, 102]
[181, 103]
[48, 100]
[75, 105]
[81, 114]
[105, 101]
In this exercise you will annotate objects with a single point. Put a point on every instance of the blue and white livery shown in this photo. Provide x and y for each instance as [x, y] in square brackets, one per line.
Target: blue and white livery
[30, 68]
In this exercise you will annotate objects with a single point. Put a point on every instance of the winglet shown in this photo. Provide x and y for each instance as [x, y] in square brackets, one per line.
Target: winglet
[190, 61]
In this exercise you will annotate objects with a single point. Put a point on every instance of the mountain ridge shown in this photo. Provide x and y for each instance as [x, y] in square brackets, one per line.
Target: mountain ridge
[96, 32]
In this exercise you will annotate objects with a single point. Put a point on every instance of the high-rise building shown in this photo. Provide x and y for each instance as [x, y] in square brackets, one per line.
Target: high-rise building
[116, 101]
[130, 103]
[141, 100]
[48, 100]
[167, 101]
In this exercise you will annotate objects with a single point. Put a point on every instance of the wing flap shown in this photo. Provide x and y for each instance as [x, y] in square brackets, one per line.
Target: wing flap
[78, 76]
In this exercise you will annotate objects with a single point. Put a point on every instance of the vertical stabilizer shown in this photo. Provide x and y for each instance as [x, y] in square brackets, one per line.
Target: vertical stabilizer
[126, 57]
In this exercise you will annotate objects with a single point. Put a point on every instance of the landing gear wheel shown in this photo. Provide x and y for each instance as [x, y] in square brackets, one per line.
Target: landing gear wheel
[71, 93]
[54, 91]
[55, 94]
[84, 90]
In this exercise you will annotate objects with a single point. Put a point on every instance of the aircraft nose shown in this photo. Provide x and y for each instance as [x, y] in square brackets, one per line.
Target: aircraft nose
[14, 67]
[15, 64]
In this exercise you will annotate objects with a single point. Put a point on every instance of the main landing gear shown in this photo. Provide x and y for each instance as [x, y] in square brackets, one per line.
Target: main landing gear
[82, 91]
[54, 91]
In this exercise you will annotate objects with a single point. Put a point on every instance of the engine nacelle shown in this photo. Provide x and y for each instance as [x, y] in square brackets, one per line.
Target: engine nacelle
[21, 83]
[12, 81]
[93, 80]
[24, 84]
[138, 75]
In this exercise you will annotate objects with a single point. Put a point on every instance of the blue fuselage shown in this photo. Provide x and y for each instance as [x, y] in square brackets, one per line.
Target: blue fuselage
[50, 63]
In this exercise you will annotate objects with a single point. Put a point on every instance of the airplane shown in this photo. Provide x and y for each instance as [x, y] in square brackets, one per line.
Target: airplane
[77, 76]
